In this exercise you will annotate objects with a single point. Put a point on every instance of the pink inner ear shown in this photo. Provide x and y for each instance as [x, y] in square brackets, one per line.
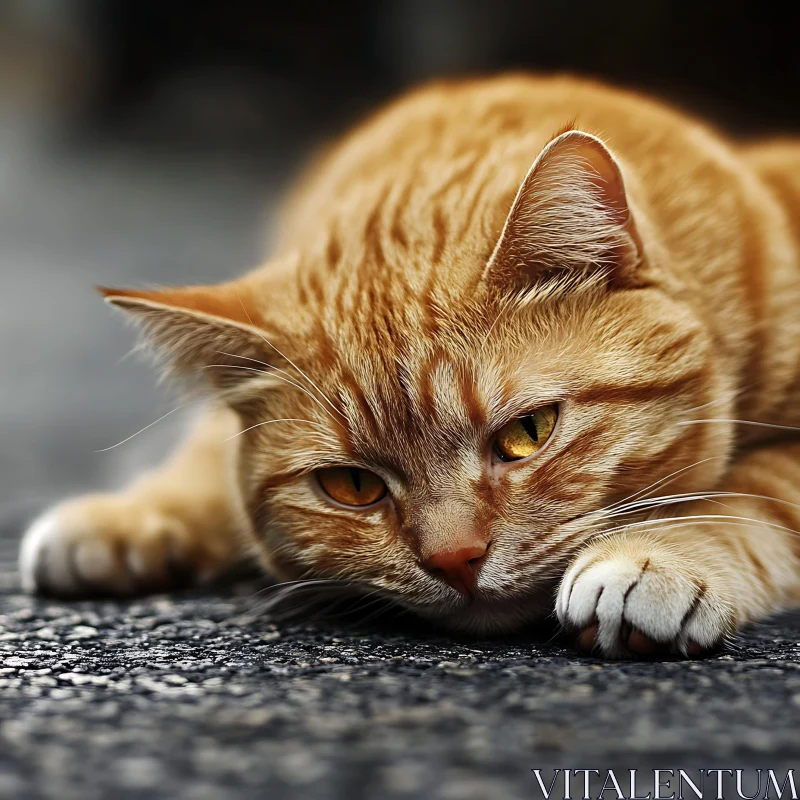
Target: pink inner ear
[226, 301]
[604, 173]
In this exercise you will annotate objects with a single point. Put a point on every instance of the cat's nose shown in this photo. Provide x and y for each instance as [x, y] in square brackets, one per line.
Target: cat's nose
[459, 567]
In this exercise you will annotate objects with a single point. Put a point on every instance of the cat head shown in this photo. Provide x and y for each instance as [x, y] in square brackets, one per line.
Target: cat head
[452, 430]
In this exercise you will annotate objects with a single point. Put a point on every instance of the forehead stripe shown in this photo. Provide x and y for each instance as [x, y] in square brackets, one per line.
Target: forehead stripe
[473, 405]
[638, 393]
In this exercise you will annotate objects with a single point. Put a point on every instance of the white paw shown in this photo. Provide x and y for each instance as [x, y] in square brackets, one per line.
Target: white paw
[636, 597]
[102, 545]
[42, 560]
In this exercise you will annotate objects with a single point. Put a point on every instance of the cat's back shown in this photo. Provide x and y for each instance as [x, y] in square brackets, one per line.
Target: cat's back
[453, 142]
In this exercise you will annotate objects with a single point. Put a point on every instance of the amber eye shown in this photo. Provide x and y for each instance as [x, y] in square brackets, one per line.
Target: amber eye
[526, 435]
[351, 486]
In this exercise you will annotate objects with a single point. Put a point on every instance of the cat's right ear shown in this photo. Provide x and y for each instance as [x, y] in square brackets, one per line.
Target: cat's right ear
[214, 331]
[571, 216]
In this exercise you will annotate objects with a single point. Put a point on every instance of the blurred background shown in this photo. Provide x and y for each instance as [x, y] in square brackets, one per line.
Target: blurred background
[144, 141]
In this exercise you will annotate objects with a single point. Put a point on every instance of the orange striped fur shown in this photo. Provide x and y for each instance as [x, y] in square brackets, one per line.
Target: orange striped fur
[429, 287]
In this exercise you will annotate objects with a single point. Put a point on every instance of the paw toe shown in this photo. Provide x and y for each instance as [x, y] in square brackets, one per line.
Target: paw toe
[658, 604]
[100, 566]
[45, 561]
[640, 644]
[706, 624]
[587, 640]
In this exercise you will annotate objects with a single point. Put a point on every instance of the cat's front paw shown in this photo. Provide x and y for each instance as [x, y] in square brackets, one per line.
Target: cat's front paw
[635, 596]
[109, 545]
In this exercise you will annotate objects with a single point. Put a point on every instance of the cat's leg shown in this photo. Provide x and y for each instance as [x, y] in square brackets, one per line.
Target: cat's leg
[179, 522]
[684, 585]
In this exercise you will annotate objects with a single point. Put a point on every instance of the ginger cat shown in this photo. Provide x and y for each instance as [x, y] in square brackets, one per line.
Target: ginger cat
[483, 387]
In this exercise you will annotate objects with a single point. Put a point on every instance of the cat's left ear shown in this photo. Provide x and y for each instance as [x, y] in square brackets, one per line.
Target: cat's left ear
[570, 214]
[216, 332]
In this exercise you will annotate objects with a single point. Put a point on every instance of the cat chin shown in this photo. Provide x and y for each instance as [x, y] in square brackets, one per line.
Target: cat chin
[491, 616]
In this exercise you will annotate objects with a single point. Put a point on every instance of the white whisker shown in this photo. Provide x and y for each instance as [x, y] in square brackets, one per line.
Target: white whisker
[106, 449]
[270, 367]
[509, 300]
[657, 506]
[277, 377]
[730, 396]
[284, 590]
[270, 421]
[698, 518]
[690, 496]
[283, 355]
[741, 422]
[665, 481]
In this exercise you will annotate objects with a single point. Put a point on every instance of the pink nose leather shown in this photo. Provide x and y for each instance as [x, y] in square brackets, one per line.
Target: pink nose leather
[459, 567]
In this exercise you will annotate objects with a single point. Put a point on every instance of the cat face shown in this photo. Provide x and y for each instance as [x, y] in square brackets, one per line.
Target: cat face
[455, 454]
[406, 463]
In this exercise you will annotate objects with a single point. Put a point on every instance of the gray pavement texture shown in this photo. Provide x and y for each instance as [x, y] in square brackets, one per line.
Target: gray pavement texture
[185, 697]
